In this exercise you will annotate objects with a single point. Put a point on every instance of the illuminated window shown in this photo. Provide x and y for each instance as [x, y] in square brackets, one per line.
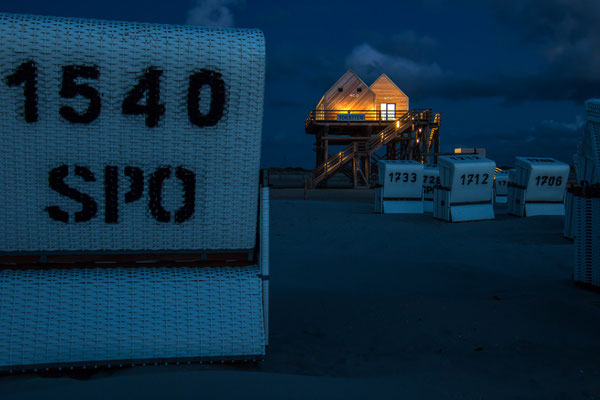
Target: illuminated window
[388, 111]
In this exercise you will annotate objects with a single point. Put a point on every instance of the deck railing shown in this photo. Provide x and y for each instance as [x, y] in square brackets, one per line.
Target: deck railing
[358, 116]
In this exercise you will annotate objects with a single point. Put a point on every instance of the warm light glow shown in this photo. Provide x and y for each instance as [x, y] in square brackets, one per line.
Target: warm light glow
[397, 124]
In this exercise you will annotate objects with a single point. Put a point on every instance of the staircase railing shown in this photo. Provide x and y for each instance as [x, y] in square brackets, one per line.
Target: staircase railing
[332, 164]
[369, 147]
[389, 133]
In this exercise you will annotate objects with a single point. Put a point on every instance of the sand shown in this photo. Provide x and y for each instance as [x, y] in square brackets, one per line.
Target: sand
[394, 306]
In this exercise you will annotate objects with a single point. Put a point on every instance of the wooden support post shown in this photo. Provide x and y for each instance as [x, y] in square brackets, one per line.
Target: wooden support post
[425, 148]
[318, 160]
[436, 144]
[306, 188]
[420, 136]
[367, 168]
[391, 150]
[417, 138]
[354, 166]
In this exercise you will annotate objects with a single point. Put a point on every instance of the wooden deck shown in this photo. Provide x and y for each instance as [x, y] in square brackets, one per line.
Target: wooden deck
[344, 122]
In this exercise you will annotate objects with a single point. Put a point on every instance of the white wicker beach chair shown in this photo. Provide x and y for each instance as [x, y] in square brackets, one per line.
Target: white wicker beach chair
[466, 189]
[586, 209]
[583, 202]
[538, 187]
[501, 187]
[400, 187]
[132, 226]
[431, 178]
[569, 225]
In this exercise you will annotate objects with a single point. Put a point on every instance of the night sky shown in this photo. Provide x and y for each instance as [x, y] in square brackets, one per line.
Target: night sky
[510, 76]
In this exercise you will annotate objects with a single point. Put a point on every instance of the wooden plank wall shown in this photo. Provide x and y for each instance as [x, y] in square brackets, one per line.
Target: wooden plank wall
[387, 92]
[350, 98]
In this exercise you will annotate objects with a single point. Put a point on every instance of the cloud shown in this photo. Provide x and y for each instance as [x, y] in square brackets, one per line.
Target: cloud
[213, 13]
[423, 79]
[561, 36]
[406, 44]
[566, 36]
[550, 21]
[368, 61]
[565, 127]
[548, 138]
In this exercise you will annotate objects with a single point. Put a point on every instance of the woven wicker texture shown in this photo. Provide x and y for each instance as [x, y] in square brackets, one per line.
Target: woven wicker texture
[469, 177]
[516, 195]
[501, 183]
[90, 315]
[569, 226]
[516, 201]
[441, 202]
[592, 107]
[224, 157]
[264, 253]
[431, 177]
[587, 240]
[588, 154]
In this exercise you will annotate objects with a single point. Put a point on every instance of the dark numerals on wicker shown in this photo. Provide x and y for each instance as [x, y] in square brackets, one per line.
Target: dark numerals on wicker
[548, 180]
[26, 74]
[71, 89]
[403, 177]
[147, 89]
[474, 179]
[149, 85]
[89, 206]
[433, 180]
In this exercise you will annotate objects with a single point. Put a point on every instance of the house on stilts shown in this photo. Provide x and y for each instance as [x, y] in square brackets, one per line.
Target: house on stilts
[368, 124]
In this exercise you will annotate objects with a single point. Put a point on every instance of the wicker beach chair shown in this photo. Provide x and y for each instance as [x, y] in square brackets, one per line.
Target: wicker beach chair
[133, 228]
[465, 192]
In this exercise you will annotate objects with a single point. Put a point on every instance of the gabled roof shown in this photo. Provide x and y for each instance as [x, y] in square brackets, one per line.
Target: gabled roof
[384, 76]
[336, 84]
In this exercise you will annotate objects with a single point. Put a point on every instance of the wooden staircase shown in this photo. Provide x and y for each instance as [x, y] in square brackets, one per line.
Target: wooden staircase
[340, 161]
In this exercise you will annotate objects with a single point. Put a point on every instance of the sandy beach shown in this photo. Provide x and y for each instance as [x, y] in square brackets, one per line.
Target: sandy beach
[402, 306]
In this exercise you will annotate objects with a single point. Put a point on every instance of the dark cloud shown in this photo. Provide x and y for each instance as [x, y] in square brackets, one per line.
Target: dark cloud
[548, 138]
[550, 22]
[424, 79]
[406, 44]
[567, 36]
[563, 37]
[212, 13]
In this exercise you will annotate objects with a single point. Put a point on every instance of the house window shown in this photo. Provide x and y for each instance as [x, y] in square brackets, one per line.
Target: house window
[388, 111]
